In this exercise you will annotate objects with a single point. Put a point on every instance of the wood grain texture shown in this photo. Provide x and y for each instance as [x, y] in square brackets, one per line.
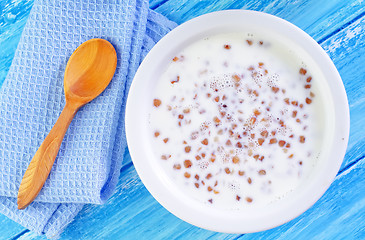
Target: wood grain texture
[318, 18]
[141, 217]
[132, 213]
[339, 214]
[13, 16]
[9, 229]
[347, 50]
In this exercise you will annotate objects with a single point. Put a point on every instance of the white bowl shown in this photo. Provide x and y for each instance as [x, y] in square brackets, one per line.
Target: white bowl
[156, 180]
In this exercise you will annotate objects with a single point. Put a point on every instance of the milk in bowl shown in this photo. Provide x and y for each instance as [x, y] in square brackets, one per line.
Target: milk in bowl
[236, 120]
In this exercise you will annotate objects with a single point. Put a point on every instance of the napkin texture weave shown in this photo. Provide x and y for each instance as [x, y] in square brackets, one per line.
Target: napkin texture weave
[87, 167]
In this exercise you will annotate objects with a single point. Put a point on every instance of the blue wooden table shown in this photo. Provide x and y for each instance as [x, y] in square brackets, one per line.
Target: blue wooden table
[132, 213]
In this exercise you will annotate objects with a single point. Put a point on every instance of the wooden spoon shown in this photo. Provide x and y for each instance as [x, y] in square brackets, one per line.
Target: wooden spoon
[88, 72]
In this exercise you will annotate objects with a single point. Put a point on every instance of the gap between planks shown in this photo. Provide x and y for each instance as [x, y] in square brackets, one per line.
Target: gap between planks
[345, 25]
[20, 234]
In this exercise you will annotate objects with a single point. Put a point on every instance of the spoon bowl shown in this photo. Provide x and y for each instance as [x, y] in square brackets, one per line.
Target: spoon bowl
[88, 72]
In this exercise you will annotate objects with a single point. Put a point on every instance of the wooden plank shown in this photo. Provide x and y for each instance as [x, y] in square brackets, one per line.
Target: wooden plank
[14, 15]
[347, 50]
[339, 214]
[317, 18]
[28, 235]
[139, 216]
[12, 228]
[131, 213]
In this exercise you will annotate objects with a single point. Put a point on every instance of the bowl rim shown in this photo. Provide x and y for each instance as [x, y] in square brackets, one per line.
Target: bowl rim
[180, 205]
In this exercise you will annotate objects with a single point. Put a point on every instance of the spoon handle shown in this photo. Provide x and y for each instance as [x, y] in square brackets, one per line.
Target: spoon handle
[41, 164]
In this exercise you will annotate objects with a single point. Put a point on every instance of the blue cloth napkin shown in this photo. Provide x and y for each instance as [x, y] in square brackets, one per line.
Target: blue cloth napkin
[87, 167]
